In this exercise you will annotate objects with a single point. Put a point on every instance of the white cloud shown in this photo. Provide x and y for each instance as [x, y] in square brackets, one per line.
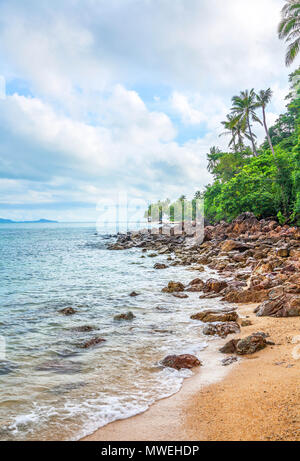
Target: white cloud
[113, 83]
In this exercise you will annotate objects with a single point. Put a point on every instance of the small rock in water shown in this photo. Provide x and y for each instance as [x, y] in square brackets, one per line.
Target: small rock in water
[160, 266]
[133, 294]
[127, 316]
[64, 388]
[60, 366]
[83, 329]
[152, 255]
[68, 311]
[181, 361]
[91, 342]
[229, 361]
[173, 287]
[7, 367]
[180, 295]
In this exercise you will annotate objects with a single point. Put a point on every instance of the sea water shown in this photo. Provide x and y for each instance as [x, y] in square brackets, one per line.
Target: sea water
[51, 388]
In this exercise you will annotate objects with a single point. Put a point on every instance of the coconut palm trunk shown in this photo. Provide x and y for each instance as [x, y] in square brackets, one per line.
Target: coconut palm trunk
[267, 131]
[252, 138]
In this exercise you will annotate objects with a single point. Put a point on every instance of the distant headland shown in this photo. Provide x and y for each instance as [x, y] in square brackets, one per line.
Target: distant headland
[10, 221]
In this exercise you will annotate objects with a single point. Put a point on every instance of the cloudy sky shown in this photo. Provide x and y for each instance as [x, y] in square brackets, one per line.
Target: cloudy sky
[123, 95]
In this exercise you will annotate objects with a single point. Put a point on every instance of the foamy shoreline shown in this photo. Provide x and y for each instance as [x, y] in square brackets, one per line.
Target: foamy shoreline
[255, 399]
[260, 261]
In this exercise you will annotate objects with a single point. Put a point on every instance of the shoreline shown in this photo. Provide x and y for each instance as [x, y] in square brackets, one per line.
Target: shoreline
[257, 398]
[257, 266]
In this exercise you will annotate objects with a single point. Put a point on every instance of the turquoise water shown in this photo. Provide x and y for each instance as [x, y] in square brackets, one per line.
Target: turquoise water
[50, 388]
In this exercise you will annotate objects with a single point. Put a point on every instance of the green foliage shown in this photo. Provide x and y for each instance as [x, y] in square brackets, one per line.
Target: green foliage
[289, 29]
[264, 181]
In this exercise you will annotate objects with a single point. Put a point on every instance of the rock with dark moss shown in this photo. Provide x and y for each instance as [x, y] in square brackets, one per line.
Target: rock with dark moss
[216, 316]
[173, 287]
[249, 345]
[91, 343]
[181, 361]
[127, 316]
[68, 311]
[221, 329]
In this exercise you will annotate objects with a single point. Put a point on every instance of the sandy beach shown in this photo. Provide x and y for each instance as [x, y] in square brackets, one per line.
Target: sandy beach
[257, 398]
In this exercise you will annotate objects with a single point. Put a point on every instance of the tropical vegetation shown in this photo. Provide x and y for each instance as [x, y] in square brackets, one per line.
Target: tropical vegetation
[265, 179]
[289, 29]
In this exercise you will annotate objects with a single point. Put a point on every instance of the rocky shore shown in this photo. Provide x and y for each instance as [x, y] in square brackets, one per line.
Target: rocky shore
[256, 266]
[256, 261]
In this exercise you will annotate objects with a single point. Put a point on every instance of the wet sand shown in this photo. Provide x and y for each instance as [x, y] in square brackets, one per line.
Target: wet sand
[257, 398]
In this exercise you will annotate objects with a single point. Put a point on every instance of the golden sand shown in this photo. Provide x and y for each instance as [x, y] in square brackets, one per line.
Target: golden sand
[259, 399]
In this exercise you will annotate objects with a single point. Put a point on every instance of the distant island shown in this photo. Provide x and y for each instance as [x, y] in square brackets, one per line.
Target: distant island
[9, 221]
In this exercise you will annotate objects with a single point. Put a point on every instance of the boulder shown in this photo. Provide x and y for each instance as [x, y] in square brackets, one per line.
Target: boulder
[214, 285]
[127, 316]
[181, 361]
[283, 306]
[249, 345]
[283, 252]
[246, 296]
[221, 329]
[231, 245]
[173, 287]
[216, 316]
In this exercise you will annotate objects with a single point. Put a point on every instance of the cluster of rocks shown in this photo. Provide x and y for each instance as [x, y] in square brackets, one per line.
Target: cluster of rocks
[257, 261]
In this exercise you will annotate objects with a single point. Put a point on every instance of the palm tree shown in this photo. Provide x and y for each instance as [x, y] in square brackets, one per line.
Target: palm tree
[263, 99]
[289, 29]
[235, 131]
[243, 109]
[213, 157]
[229, 130]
